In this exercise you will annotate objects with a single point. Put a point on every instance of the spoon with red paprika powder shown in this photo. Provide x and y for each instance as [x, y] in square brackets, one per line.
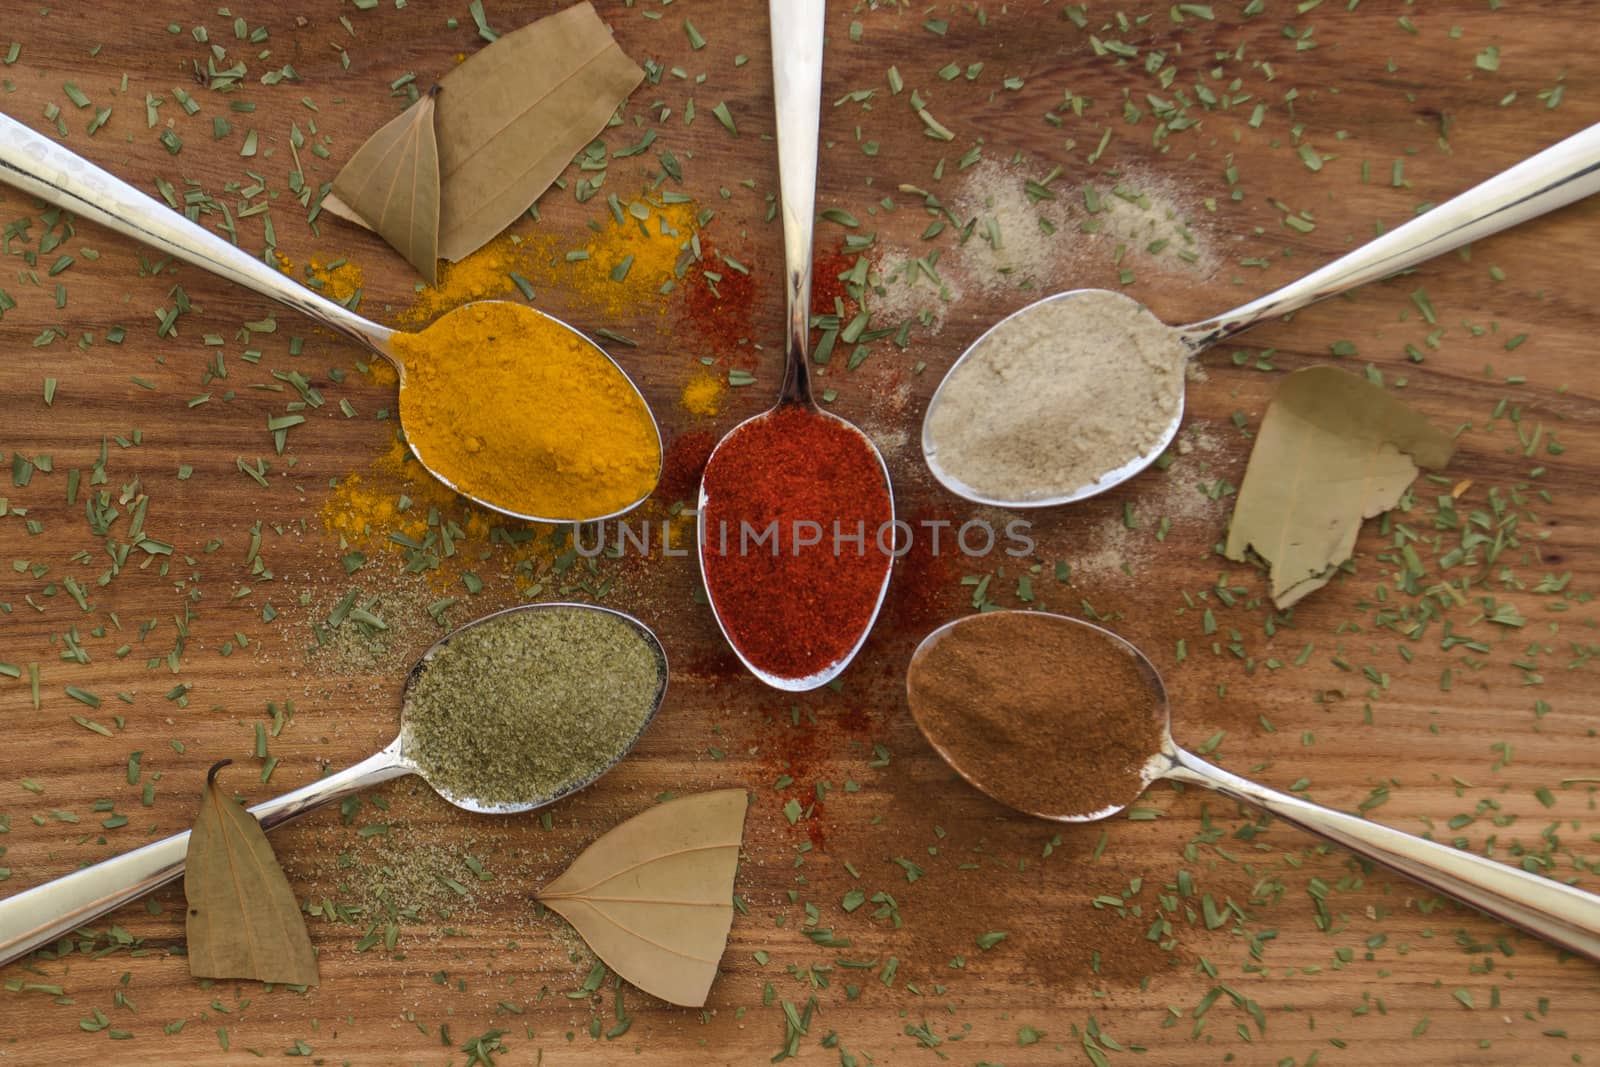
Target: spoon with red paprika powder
[796, 515]
[1064, 720]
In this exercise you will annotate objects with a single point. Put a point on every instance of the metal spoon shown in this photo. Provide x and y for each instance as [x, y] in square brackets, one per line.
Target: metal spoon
[797, 91]
[37, 916]
[41, 167]
[1555, 177]
[1559, 913]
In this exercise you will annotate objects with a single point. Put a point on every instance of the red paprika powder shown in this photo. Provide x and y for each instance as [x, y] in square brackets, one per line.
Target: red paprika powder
[797, 539]
[828, 286]
[719, 301]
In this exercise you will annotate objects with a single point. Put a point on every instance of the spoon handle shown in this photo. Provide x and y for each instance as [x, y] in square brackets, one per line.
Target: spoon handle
[40, 166]
[38, 916]
[1564, 172]
[797, 95]
[1561, 914]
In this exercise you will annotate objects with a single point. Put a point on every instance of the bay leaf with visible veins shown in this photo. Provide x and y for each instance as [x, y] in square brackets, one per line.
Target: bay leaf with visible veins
[654, 896]
[392, 185]
[1334, 449]
[243, 919]
[515, 114]
[507, 122]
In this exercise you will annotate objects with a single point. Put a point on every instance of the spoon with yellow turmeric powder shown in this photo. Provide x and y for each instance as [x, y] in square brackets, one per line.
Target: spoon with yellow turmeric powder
[505, 404]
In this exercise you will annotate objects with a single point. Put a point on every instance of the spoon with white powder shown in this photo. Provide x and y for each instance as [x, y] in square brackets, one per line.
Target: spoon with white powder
[1080, 391]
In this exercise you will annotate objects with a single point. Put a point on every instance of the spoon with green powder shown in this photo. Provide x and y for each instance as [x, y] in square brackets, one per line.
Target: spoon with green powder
[1080, 391]
[567, 395]
[1063, 720]
[509, 713]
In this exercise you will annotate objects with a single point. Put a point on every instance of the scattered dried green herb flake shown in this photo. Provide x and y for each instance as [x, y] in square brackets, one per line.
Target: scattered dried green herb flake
[83, 696]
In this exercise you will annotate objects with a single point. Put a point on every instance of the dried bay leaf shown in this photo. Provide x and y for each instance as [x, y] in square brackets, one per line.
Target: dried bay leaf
[505, 124]
[1333, 450]
[512, 117]
[334, 206]
[654, 896]
[392, 183]
[243, 919]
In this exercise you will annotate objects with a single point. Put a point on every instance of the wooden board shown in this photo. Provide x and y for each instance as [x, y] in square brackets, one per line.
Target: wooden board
[1282, 950]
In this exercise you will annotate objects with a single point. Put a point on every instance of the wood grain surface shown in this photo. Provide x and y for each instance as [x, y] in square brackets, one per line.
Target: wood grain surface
[1194, 932]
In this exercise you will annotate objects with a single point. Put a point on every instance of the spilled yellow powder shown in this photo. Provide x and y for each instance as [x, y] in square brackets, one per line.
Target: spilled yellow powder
[395, 496]
[487, 274]
[702, 394]
[635, 257]
[338, 279]
[621, 264]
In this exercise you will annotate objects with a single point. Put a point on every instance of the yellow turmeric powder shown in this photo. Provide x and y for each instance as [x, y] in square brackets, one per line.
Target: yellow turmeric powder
[393, 505]
[337, 279]
[633, 258]
[512, 409]
[702, 394]
[623, 265]
[395, 496]
[490, 272]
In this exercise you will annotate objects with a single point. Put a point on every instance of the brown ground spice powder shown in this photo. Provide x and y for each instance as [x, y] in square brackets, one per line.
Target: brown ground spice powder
[1051, 716]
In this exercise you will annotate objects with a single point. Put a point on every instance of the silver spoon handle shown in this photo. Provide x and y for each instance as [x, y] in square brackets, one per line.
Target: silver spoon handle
[1564, 172]
[39, 166]
[36, 917]
[1561, 914]
[797, 95]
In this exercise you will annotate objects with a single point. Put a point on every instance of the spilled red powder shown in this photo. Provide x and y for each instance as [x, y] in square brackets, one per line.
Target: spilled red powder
[716, 665]
[827, 285]
[806, 753]
[683, 463]
[719, 301]
[925, 588]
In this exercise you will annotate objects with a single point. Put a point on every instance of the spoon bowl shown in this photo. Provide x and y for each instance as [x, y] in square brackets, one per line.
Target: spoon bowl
[45, 169]
[412, 396]
[731, 441]
[1557, 176]
[38, 916]
[1158, 433]
[406, 744]
[797, 36]
[1562, 914]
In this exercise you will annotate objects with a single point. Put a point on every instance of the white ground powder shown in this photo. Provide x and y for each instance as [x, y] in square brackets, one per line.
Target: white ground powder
[1175, 494]
[1142, 220]
[1057, 397]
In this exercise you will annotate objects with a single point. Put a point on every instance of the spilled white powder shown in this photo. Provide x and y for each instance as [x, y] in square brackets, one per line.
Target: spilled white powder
[1057, 397]
[1017, 241]
[904, 288]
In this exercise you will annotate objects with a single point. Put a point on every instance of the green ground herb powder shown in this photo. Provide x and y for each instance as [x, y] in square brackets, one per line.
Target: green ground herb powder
[526, 705]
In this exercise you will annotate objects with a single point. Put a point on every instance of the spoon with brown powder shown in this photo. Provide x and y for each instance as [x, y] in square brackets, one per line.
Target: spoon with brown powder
[1064, 720]
[506, 714]
[1080, 391]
